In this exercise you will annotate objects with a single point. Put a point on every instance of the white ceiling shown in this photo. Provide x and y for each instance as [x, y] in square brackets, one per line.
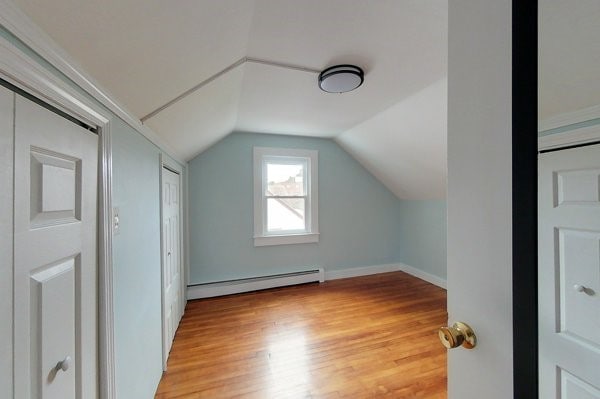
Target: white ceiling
[569, 56]
[395, 152]
[147, 52]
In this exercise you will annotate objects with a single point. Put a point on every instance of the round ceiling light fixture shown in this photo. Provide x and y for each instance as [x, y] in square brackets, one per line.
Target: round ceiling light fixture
[341, 78]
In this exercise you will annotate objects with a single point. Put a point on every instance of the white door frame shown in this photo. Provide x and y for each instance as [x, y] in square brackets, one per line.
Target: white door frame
[166, 163]
[22, 70]
[558, 135]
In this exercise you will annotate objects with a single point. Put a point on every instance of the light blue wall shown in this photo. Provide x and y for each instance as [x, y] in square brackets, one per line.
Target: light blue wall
[136, 276]
[358, 216]
[422, 235]
[136, 254]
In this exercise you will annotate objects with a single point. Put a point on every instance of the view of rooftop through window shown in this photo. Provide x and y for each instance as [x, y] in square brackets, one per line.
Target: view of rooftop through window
[286, 197]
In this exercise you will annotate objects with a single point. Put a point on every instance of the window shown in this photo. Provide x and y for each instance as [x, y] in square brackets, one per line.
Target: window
[285, 196]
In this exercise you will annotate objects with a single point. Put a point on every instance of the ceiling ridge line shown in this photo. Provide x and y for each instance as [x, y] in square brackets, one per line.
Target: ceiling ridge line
[282, 65]
[222, 72]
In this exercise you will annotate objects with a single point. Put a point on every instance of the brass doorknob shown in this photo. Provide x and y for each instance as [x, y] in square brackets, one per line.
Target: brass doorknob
[457, 335]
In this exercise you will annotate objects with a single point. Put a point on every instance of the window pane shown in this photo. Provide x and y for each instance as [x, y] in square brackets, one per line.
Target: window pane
[285, 179]
[285, 214]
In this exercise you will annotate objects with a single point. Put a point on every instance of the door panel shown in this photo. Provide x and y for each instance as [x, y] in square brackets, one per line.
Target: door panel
[479, 199]
[55, 179]
[55, 269]
[172, 273]
[579, 254]
[572, 387]
[578, 187]
[569, 273]
[53, 326]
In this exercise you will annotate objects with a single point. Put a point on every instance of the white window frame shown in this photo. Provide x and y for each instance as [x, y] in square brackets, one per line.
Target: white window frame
[262, 156]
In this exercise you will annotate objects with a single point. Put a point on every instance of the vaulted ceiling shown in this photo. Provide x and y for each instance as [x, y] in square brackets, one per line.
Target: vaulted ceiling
[146, 53]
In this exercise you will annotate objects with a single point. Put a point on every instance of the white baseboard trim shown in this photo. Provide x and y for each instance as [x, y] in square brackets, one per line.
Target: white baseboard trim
[386, 268]
[262, 283]
[253, 284]
[430, 278]
[360, 271]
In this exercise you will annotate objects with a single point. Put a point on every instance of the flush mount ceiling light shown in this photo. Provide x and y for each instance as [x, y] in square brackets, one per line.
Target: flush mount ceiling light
[341, 78]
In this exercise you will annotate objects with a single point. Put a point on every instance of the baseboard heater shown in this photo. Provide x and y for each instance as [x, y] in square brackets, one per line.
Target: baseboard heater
[228, 287]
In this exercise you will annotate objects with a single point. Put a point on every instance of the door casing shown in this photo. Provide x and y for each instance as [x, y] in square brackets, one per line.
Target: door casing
[165, 163]
[22, 73]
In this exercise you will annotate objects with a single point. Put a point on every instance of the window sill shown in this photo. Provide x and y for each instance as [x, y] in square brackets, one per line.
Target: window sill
[263, 241]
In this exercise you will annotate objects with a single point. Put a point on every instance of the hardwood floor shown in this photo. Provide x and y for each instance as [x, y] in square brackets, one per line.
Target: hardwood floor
[363, 337]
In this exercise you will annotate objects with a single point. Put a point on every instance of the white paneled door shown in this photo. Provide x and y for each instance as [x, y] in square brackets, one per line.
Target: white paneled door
[569, 273]
[172, 266]
[55, 273]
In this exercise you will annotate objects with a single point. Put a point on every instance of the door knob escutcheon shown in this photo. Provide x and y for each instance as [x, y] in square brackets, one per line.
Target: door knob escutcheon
[457, 335]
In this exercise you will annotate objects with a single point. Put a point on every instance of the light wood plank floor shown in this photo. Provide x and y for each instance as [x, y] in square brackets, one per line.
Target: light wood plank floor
[363, 337]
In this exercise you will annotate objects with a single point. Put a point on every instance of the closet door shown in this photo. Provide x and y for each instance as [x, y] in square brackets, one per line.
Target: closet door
[55, 267]
[569, 273]
[172, 268]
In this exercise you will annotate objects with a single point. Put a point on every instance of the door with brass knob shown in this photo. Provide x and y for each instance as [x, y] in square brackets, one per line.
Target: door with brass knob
[460, 334]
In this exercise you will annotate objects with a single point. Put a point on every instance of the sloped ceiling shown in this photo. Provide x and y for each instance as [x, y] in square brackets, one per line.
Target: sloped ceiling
[569, 56]
[394, 151]
[148, 52]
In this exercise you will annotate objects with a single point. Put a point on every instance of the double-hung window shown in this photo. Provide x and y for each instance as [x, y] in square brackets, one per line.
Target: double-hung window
[285, 196]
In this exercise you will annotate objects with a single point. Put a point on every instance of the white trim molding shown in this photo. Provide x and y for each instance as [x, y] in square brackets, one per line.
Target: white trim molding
[221, 288]
[261, 241]
[430, 278]
[309, 159]
[386, 268]
[106, 352]
[23, 28]
[165, 163]
[361, 271]
[186, 223]
[208, 290]
[21, 70]
[27, 74]
[570, 118]
[588, 134]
